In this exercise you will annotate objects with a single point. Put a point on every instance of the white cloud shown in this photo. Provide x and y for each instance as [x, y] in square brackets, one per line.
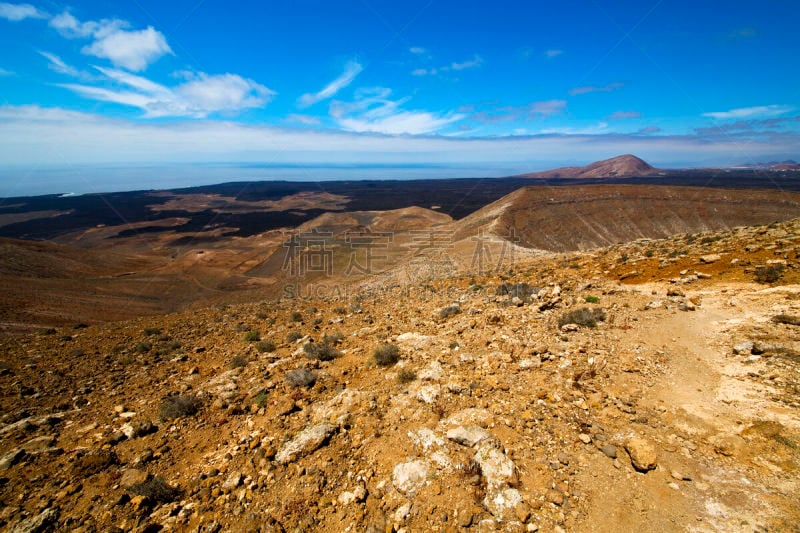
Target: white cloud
[198, 97]
[373, 111]
[111, 39]
[351, 70]
[748, 112]
[586, 89]
[547, 107]
[17, 12]
[133, 50]
[6, 73]
[550, 54]
[70, 27]
[33, 137]
[417, 50]
[475, 62]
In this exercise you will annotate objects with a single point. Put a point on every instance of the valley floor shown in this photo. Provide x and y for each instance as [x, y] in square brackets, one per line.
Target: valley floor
[509, 408]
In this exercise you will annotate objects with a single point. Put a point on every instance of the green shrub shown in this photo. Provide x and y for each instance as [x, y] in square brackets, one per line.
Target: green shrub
[239, 361]
[47, 331]
[252, 336]
[149, 332]
[406, 376]
[261, 399]
[769, 273]
[321, 351]
[265, 346]
[333, 338]
[592, 299]
[179, 406]
[301, 377]
[297, 316]
[143, 347]
[386, 355]
[156, 490]
[294, 336]
[584, 317]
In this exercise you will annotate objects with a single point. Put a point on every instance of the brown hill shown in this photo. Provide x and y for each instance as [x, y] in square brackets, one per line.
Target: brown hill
[588, 216]
[623, 166]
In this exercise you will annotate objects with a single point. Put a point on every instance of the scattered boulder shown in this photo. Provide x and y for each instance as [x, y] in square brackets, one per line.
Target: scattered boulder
[11, 458]
[307, 441]
[410, 476]
[468, 435]
[498, 470]
[643, 454]
[39, 523]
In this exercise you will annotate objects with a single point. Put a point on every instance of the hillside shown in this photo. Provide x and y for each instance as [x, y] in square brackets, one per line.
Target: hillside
[582, 217]
[644, 386]
[622, 166]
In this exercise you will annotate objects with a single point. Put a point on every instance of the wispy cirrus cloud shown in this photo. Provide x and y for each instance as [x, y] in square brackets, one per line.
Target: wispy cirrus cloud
[587, 89]
[475, 62]
[199, 96]
[373, 111]
[56, 64]
[622, 115]
[18, 12]
[307, 120]
[547, 108]
[531, 111]
[748, 112]
[6, 73]
[351, 70]
[552, 53]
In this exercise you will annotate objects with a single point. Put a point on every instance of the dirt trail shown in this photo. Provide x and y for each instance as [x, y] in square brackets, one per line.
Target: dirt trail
[714, 425]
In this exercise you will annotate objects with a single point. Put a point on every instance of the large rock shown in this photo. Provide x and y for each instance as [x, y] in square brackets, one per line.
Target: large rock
[11, 458]
[643, 454]
[37, 524]
[344, 405]
[468, 435]
[497, 468]
[409, 477]
[307, 441]
[133, 476]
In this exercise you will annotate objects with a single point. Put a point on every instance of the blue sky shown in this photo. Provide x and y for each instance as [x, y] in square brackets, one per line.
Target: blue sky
[525, 85]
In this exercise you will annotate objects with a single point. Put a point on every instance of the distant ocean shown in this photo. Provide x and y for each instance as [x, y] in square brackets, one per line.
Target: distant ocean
[82, 180]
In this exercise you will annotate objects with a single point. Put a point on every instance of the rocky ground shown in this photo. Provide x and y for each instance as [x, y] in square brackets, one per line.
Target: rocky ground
[651, 386]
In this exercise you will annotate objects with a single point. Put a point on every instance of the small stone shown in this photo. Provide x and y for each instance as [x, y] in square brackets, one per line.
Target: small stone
[743, 348]
[233, 481]
[133, 476]
[609, 450]
[563, 458]
[710, 258]
[555, 497]
[585, 438]
[643, 454]
[523, 511]
[680, 477]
